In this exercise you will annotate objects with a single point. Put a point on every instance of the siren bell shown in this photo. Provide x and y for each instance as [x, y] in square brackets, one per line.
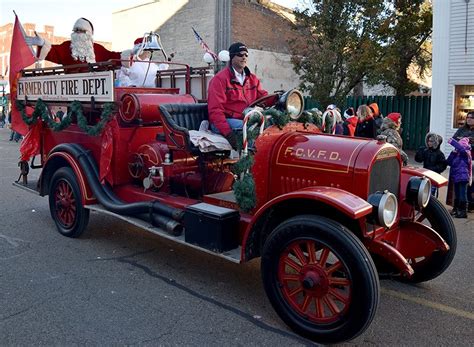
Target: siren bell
[150, 42]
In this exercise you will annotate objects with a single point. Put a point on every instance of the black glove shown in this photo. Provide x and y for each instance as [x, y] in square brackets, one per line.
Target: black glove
[232, 139]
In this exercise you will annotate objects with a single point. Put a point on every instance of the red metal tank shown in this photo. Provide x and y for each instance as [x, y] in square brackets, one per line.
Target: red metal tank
[144, 107]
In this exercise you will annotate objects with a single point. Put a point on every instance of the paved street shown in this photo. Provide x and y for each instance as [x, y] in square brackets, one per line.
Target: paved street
[118, 285]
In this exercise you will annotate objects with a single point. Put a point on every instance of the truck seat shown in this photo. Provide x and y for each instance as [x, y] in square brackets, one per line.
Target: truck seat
[178, 120]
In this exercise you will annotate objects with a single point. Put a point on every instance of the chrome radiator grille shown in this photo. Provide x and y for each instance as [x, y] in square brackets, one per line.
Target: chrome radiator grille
[385, 175]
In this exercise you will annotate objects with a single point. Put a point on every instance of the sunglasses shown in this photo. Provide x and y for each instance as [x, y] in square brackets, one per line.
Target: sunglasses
[240, 55]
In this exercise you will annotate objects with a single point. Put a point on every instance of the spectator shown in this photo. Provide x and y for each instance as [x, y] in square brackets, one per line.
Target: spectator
[431, 156]
[378, 118]
[14, 136]
[467, 130]
[365, 123]
[230, 92]
[350, 122]
[390, 128]
[460, 161]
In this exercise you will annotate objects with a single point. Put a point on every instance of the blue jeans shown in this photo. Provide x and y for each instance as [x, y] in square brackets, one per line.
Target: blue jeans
[460, 191]
[235, 124]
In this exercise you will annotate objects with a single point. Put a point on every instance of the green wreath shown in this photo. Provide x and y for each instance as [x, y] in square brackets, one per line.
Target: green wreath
[41, 112]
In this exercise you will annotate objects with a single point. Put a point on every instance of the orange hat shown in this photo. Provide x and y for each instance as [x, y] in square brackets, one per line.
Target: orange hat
[375, 109]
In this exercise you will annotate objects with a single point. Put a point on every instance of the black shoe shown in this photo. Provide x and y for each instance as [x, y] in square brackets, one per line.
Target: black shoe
[454, 211]
[461, 214]
[462, 211]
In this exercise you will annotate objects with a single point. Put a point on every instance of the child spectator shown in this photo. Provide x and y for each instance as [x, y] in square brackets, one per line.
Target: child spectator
[350, 122]
[390, 128]
[460, 161]
[431, 156]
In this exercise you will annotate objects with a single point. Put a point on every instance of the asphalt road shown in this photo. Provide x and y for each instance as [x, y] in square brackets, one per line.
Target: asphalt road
[119, 285]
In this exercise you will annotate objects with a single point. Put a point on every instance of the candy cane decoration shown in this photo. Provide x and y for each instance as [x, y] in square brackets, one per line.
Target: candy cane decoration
[246, 119]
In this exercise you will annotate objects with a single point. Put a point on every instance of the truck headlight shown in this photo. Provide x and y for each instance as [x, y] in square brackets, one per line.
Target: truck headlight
[293, 102]
[419, 191]
[385, 208]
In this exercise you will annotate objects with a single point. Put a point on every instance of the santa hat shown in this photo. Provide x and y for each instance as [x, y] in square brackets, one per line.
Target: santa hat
[349, 113]
[395, 117]
[137, 44]
[84, 24]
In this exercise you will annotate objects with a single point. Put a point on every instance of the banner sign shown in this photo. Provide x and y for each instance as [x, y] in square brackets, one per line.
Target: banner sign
[79, 86]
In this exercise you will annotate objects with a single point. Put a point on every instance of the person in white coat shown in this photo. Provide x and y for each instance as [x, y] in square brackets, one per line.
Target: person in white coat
[141, 71]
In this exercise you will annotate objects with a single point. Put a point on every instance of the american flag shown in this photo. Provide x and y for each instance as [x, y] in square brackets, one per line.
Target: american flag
[204, 45]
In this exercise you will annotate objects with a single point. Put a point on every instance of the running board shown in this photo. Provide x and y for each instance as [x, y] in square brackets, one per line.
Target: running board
[232, 255]
[30, 187]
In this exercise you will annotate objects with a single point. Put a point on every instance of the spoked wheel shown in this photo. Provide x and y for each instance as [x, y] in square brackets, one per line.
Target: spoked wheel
[437, 217]
[320, 279]
[65, 203]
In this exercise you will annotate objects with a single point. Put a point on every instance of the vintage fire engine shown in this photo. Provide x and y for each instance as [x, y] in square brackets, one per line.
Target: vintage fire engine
[332, 213]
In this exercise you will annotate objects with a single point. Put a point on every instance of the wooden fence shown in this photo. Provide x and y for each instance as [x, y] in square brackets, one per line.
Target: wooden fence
[415, 112]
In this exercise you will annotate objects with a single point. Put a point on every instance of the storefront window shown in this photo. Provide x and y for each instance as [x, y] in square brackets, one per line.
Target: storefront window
[464, 102]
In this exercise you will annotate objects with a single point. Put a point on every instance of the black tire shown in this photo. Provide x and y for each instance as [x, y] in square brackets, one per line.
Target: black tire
[440, 220]
[341, 294]
[65, 203]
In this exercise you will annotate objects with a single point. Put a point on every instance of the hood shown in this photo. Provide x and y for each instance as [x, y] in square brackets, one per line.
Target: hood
[437, 140]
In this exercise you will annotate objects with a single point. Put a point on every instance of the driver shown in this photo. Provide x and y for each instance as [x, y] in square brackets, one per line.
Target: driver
[230, 92]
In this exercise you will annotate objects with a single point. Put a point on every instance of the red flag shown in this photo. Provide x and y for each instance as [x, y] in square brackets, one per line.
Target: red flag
[21, 56]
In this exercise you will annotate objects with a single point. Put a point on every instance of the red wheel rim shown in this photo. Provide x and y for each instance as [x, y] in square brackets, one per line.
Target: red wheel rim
[65, 203]
[314, 281]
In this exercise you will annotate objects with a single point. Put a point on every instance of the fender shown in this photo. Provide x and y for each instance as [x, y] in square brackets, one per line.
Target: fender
[408, 241]
[87, 196]
[349, 204]
[408, 172]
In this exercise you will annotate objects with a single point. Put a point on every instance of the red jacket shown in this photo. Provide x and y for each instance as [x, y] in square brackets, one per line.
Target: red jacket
[227, 98]
[61, 54]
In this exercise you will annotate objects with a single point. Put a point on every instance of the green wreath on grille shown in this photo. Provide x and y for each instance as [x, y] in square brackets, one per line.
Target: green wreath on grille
[244, 187]
[41, 112]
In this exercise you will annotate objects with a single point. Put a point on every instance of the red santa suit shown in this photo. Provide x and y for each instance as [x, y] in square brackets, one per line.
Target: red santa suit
[61, 54]
[81, 50]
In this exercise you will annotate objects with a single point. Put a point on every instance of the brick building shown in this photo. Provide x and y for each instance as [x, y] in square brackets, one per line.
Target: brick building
[262, 25]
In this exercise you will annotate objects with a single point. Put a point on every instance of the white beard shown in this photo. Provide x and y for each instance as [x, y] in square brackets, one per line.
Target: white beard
[82, 47]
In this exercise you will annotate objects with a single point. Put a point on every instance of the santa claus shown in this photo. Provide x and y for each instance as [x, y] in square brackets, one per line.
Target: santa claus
[79, 50]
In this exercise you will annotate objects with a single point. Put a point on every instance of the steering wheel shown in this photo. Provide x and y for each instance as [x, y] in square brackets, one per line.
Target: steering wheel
[266, 101]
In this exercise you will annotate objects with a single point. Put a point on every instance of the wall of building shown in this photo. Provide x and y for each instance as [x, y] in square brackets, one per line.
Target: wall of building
[173, 20]
[452, 64]
[266, 30]
[274, 70]
[260, 27]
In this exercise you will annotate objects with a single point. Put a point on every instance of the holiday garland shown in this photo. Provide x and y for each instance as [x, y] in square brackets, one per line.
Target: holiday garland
[244, 187]
[41, 112]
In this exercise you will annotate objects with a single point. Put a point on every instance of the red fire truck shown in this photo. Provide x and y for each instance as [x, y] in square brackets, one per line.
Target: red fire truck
[330, 213]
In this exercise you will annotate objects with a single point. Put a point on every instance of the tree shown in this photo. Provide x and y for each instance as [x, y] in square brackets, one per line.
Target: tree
[343, 43]
[408, 31]
[338, 44]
